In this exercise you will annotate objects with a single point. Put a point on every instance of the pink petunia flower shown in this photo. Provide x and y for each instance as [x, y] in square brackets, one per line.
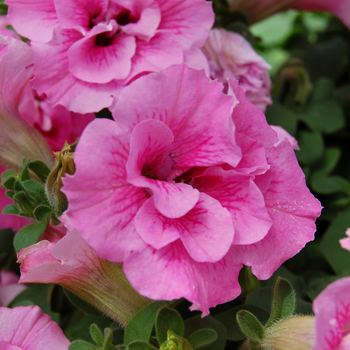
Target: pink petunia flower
[332, 311]
[186, 186]
[64, 258]
[9, 287]
[29, 328]
[257, 10]
[87, 50]
[230, 55]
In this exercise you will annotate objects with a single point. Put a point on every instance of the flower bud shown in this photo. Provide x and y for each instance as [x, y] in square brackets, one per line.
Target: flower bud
[175, 342]
[64, 164]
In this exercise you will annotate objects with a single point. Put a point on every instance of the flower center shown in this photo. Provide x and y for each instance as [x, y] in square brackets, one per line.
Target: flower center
[125, 17]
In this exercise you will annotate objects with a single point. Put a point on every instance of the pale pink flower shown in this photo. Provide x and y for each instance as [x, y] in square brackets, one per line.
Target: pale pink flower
[345, 242]
[189, 190]
[230, 55]
[9, 287]
[27, 327]
[332, 311]
[70, 262]
[257, 10]
[87, 50]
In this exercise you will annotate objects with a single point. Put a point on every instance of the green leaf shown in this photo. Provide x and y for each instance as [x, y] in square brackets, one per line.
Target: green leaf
[18, 186]
[108, 337]
[277, 114]
[266, 29]
[261, 297]
[202, 337]
[8, 179]
[81, 345]
[10, 194]
[42, 212]
[283, 301]
[29, 235]
[141, 325]
[327, 163]
[140, 345]
[330, 185]
[326, 117]
[11, 209]
[40, 169]
[250, 325]
[96, 334]
[23, 170]
[35, 190]
[168, 319]
[82, 304]
[337, 257]
[196, 323]
[228, 319]
[311, 147]
[23, 201]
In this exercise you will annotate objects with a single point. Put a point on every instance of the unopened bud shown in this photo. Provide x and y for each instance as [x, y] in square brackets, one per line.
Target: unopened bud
[64, 165]
[175, 342]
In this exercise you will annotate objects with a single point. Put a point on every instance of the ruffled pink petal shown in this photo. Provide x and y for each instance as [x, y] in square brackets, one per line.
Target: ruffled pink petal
[284, 135]
[193, 107]
[92, 62]
[194, 58]
[149, 18]
[206, 231]
[161, 51]
[293, 210]
[189, 20]
[102, 204]
[28, 328]
[332, 311]
[243, 199]
[80, 14]
[150, 144]
[52, 77]
[33, 19]
[253, 156]
[170, 273]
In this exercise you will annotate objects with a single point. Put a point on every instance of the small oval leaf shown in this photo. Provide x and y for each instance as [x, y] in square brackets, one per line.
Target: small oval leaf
[29, 235]
[202, 337]
[250, 325]
[168, 319]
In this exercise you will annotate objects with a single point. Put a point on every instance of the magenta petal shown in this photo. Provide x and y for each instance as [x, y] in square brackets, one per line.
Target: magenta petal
[28, 328]
[33, 19]
[161, 51]
[170, 273]
[52, 77]
[150, 144]
[293, 210]
[243, 199]
[206, 231]
[146, 26]
[75, 13]
[102, 204]
[189, 20]
[193, 107]
[93, 63]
